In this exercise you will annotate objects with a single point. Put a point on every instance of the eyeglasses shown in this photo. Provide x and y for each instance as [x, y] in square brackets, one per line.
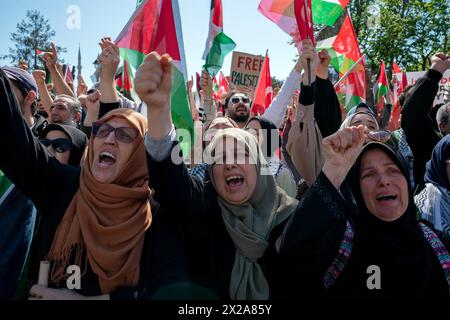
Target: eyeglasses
[236, 100]
[58, 145]
[123, 134]
[382, 136]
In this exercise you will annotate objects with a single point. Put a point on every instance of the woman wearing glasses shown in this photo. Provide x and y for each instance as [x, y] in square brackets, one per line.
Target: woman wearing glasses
[65, 143]
[97, 230]
[374, 250]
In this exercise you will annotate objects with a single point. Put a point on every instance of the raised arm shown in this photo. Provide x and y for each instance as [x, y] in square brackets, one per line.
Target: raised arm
[416, 121]
[168, 174]
[209, 107]
[279, 105]
[312, 235]
[61, 87]
[305, 140]
[327, 111]
[109, 61]
[24, 160]
[46, 99]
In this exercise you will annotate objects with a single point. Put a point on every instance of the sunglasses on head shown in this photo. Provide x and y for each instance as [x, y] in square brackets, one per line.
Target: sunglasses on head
[123, 134]
[236, 100]
[382, 136]
[58, 145]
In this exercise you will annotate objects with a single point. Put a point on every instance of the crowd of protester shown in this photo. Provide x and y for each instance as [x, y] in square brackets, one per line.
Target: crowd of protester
[298, 202]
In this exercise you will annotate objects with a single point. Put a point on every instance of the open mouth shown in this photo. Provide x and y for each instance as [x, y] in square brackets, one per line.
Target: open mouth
[235, 181]
[107, 159]
[387, 197]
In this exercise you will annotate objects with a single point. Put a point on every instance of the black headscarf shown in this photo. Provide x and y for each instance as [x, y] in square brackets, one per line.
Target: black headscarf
[436, 168]
[77, 137]
[268, 128]
[409, 267]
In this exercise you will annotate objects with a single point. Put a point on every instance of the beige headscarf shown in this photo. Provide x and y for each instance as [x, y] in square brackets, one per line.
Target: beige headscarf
[107, 221]
[249, 224]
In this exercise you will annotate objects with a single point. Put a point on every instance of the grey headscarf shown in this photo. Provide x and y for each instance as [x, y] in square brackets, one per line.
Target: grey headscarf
[249, 224]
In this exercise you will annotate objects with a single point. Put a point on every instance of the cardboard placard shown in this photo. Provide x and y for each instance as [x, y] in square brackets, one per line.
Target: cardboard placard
[245, 70]
[414, 76]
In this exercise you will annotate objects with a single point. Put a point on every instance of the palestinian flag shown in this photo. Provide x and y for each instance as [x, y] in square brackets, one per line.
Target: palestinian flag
[282, 13]
[125, 80]
[218, 44]
[156, 26]
[352, 89]
[5, 185]
[381, 89]
[328, 11]
[344, 51]
[404, 81]
[40, 53]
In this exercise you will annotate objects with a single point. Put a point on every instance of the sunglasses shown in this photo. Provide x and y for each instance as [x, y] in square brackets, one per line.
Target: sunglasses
[382, 136]
[236, 100]
[58, 145]
[123, 134]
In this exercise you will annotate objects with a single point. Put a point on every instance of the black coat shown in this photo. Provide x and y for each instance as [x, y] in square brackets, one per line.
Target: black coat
[311, 242]
[51, 186]
[417, 122]
[210, 249]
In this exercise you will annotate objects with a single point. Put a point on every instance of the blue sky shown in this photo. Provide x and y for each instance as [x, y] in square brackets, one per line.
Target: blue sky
[252, 32]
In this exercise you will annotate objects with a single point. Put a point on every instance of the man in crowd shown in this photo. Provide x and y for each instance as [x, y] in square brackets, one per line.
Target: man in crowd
[443, 119]
[65, 110]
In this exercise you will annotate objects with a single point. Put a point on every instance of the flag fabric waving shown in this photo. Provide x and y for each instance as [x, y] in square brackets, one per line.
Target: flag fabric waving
[156, 26]
[282, 13]
[382, 87]
[264, 91]
[303, 16]
[344, 51]
[218, 45]
[328, 11]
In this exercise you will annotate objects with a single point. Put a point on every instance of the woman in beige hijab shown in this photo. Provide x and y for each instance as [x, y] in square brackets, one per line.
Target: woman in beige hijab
[96, 227]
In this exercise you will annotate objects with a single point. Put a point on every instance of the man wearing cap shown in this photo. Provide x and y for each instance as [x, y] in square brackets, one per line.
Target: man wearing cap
[25, 89]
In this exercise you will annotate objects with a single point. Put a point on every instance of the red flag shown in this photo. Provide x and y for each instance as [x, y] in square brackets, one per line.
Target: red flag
[223, 85]
[404, 81]
[264, 92]
[303, 15]
[68, 77]
[394, 121]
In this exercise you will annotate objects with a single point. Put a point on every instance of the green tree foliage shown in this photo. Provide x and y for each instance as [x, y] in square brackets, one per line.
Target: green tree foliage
[277, 83]
[407, 31]
[33, 33]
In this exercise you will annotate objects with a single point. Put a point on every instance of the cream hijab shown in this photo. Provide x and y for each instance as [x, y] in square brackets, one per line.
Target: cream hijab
[249, 224]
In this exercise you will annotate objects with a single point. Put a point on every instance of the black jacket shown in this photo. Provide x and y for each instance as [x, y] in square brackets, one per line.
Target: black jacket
[210, 250]
[311, 242]
[418, 124]
[51, 186]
